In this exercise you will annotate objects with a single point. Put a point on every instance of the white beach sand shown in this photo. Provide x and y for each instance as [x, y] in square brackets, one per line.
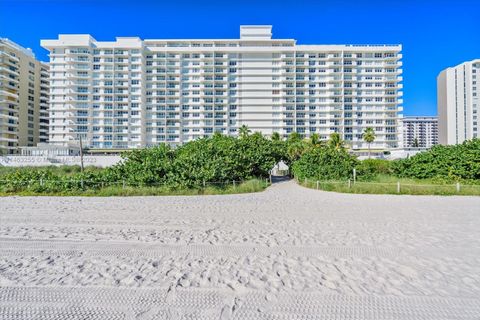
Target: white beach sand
[286, 253]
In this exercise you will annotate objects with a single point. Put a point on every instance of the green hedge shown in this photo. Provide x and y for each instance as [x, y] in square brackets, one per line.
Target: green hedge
[324, 163]
[449, 163]
[210, 160]
[222, 159]
[443, 164]
[216, 160]
[368, 169]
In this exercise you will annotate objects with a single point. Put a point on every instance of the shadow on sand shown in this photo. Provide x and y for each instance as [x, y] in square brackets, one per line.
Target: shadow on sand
[279, 179]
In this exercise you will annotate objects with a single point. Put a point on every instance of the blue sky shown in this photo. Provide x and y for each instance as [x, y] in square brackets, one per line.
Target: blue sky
[434, 34]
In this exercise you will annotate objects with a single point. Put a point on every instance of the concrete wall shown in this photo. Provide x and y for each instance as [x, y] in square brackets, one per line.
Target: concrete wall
[38, 161]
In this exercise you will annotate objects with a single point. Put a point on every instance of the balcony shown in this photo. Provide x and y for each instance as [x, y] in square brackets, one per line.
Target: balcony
[8, 70]
[6, 54]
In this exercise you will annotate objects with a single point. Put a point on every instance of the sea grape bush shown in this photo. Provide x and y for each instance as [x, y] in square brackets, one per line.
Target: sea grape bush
[215, 160]
[332, 162]
[142, 166]
[222, 159]
[368, 169]
[218, 159]
[450, 163]
[325, 163]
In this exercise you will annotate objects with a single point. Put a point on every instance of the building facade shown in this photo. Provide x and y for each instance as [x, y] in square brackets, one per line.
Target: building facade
[24, 89]
[420, 132]
[133, 93]
[458, 103]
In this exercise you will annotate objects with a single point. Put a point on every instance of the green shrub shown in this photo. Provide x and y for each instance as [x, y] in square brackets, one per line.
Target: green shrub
[216, 159]
[211, 161]
[50, 180]
[27, 179]
[370, 168]
[324, 163]
[142, 166]
[444, 163]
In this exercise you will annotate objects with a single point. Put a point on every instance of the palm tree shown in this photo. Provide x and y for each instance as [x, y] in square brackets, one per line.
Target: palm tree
[275, 136]
[336, 141]
[244, 131]
[295, 150]
[368, 136]
[294, 137]
[315, 139]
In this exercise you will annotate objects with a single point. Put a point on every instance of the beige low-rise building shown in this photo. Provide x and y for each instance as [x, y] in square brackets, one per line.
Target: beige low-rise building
[24, 90]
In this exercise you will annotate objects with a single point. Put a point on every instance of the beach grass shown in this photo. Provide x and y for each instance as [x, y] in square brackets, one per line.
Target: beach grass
[249, 186]
[384, 184]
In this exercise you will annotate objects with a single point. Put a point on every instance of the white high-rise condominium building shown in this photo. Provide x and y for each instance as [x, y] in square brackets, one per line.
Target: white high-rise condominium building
[133, 93]
[458, 103]
[420, 132]
[23, 98]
